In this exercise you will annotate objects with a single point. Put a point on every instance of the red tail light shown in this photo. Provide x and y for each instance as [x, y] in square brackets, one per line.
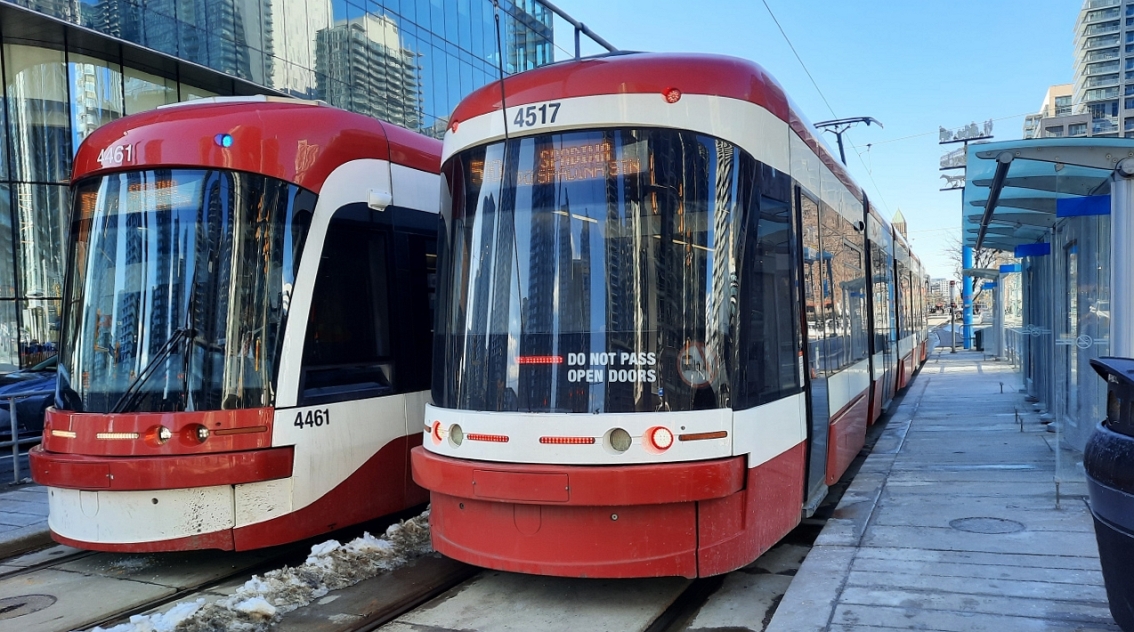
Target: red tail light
[660, 438]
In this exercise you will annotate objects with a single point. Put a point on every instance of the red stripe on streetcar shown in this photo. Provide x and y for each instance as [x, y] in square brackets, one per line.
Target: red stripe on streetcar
[701, 436]
[68, 432]
[119, 473]
[604, 485]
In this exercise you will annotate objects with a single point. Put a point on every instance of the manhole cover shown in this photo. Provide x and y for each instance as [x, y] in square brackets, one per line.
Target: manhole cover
[986, 525]
[12, 607]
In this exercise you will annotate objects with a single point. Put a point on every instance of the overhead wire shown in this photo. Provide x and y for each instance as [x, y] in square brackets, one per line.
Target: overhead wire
[869, 172]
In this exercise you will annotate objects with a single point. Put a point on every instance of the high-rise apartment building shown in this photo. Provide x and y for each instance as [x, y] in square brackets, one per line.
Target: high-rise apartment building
[69, 66]
[1104, 67]
[1100, 99]
[1054, 118]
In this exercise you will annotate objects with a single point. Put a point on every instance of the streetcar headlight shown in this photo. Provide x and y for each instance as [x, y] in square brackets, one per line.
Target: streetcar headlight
[619, 439]
[156, 436]
[456, 435]
[194, 434]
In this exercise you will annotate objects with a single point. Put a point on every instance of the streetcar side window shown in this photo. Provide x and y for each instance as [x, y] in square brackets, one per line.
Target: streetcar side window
[346, 353]
[768, 314]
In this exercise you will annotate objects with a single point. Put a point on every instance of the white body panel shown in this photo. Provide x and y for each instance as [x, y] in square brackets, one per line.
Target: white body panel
[906, 345]
[767, 431]
[524, 430]
[257, 502]
[761, 433]
[130, 517]
[326, 455]
[844, 386]
[879, 366]
[745, 124]
[414, 189]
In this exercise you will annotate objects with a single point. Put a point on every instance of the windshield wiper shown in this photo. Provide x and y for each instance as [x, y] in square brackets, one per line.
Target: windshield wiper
[134, 391]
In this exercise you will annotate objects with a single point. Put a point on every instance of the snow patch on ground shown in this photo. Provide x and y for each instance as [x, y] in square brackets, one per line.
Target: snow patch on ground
[262, 601]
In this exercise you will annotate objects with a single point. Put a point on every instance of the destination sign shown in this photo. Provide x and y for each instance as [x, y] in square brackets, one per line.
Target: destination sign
[587, 161]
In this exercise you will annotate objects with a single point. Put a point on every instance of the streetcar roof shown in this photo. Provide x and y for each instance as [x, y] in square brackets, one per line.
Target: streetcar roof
[645, 73]
[296, 141]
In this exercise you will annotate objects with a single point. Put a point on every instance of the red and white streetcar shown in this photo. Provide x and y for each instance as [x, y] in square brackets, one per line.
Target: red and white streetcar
[244, 345]
[658, 337]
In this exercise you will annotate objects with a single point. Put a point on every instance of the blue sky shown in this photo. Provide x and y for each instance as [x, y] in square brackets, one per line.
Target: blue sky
[913, 65]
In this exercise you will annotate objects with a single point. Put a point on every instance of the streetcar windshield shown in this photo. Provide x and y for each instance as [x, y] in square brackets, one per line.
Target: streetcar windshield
[178, 290]
[589, 271]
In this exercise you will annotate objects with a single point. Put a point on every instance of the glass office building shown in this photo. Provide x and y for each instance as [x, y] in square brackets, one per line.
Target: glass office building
[69, 66]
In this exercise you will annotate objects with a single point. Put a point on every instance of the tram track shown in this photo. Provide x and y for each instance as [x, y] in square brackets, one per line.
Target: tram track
[51, 556]
[61, 588]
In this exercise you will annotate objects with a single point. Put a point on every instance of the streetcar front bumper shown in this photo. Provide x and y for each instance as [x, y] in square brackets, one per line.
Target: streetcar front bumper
[686, 519]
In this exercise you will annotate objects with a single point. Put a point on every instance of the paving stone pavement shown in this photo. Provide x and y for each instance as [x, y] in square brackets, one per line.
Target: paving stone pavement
[23, 519]
[952, 523]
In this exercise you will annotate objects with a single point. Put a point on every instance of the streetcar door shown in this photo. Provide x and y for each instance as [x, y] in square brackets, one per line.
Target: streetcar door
[815, 321]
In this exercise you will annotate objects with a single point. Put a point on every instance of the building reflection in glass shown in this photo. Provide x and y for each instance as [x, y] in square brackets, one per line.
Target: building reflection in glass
[405, 61]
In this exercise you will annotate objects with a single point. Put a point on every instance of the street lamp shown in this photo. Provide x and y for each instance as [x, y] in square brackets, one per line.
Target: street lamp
[838, 126]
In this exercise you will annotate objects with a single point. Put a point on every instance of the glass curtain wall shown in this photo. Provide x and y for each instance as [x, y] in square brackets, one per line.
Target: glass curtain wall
[405, 61]
[51, 97]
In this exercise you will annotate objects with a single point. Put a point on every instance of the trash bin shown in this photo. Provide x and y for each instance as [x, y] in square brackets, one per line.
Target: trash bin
[1109, 462]
[978, 339]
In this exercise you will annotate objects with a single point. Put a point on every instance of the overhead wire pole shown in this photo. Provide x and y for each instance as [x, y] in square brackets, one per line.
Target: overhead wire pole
[838, 126]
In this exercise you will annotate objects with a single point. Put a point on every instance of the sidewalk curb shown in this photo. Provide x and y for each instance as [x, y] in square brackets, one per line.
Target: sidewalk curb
[25, 539]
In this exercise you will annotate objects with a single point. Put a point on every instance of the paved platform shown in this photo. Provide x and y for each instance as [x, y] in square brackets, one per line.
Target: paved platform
[23, 519]
[953, 522]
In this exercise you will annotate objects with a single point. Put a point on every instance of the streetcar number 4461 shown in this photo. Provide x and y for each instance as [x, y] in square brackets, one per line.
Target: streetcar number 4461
[117, 155]
[312, 418]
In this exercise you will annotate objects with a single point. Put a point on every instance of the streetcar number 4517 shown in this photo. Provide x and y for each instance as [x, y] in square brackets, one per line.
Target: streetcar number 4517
[536, 115]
